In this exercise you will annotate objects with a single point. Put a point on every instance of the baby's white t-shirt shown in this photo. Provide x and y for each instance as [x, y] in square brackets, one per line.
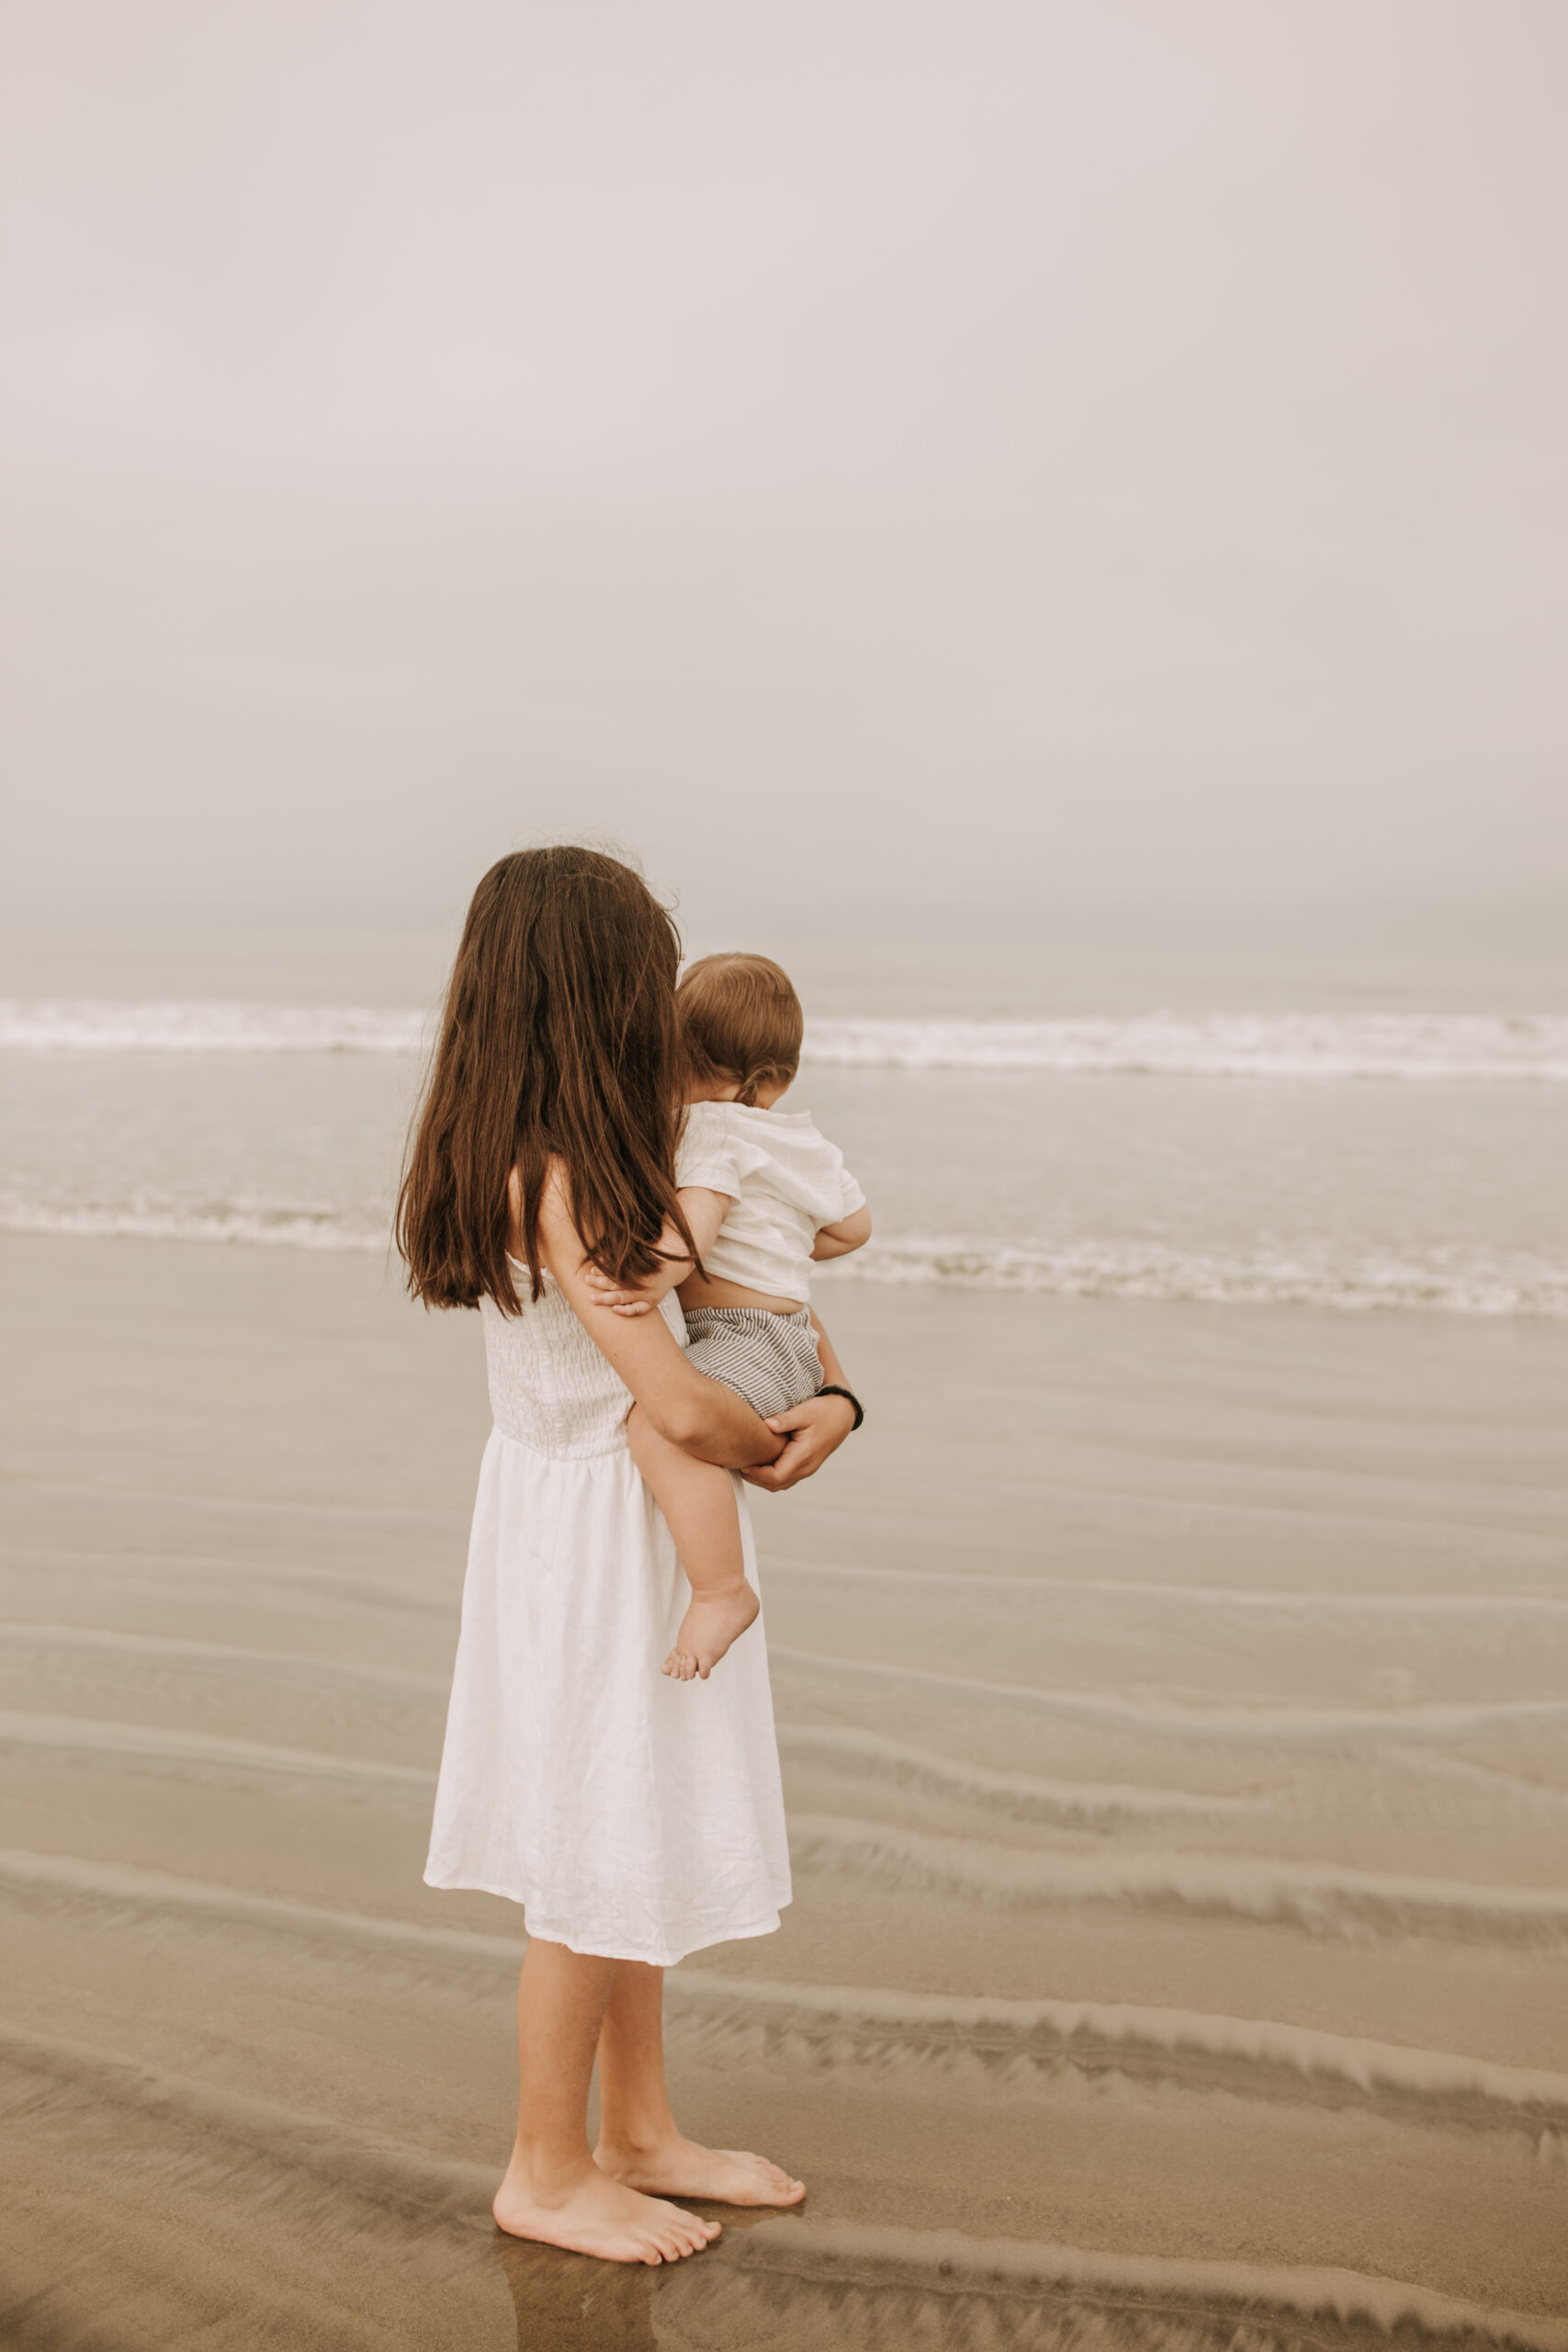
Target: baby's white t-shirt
[786, 1182]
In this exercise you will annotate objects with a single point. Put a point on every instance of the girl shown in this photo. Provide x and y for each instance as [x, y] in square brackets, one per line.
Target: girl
[633, 1825]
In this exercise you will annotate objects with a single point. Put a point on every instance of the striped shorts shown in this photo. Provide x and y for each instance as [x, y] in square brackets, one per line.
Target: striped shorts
[769, 1360]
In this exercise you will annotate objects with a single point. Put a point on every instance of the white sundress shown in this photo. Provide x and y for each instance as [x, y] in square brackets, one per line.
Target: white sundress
[632, 1815]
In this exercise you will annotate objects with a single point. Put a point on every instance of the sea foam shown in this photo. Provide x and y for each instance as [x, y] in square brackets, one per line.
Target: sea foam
[1466, 1047]
[1455, 1279]
[94, 1026]
[1169, 1045]
[1452, 1280]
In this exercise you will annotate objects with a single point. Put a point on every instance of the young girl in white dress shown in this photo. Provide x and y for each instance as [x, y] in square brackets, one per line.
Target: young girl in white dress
[636, 1819]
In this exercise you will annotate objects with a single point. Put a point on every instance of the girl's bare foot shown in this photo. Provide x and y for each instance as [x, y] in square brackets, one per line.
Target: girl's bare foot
[679, 2168]
[713, 1621]
[587, 2212]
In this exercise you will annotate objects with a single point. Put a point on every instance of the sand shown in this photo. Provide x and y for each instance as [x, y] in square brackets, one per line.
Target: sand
[1172, 1705]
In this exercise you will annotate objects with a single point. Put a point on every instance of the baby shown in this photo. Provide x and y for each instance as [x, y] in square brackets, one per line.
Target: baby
[763, 1194]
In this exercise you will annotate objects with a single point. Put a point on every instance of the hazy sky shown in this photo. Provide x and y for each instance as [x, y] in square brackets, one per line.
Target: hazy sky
[856, 447]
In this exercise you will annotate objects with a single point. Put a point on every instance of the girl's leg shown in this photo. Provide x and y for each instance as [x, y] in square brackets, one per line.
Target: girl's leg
[699, 1501]
[553, 2190]
[639, 2140]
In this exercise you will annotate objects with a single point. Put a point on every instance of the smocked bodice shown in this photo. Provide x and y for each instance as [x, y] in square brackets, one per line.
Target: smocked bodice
[550, 1387]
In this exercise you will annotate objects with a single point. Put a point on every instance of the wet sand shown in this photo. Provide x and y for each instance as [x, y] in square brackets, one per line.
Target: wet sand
[1172, 1705]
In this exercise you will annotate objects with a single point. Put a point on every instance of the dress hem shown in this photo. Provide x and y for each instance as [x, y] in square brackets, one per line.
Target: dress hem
[764, 1927]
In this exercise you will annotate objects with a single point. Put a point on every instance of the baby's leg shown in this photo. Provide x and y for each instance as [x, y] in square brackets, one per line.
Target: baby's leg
[699, 1501]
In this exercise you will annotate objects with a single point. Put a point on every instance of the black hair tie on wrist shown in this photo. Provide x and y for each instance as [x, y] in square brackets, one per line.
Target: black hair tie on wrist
[832, 1388]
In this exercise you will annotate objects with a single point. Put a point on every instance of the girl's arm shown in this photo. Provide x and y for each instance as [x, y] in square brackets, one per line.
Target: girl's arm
[851, 1232]
[705, 1213]
[701, 1416]
[814, 1430]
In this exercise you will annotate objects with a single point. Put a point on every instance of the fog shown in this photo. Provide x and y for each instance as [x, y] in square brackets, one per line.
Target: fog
[862, 451]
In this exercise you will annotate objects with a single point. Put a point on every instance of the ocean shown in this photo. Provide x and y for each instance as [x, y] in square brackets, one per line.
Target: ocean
[1025, 1113]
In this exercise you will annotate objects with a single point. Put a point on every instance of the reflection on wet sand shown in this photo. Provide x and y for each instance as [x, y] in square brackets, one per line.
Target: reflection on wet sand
[1173, 1734]
[575, 2307]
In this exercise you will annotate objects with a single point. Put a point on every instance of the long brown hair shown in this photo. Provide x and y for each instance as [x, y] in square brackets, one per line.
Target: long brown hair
[558, 1040]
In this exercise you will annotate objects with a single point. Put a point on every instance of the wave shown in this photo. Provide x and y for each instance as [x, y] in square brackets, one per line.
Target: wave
[1452, 1278]
[288, 1228]
[1448, 1278]
[1168, 1044]
[97, 1026]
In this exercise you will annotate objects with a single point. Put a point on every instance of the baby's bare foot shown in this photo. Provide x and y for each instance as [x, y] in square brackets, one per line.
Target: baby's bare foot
[684, 2168]
[592, 2213]
[713, 1621]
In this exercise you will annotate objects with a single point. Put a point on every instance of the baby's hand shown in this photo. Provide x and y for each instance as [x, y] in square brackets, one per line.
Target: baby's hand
[609, 1292]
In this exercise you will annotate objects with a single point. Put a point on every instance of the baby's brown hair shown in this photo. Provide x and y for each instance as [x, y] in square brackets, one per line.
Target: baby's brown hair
[740, 1023]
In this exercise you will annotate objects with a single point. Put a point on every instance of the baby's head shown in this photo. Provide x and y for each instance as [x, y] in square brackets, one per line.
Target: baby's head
[740, 1025]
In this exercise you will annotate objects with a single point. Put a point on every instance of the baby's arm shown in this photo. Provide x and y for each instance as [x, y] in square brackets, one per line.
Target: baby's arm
[851, 1232]
[705, 1213]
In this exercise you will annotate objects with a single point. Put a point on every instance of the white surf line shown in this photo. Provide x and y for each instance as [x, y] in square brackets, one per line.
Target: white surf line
[1486, 1606]
[1512, 2096]
[343, 2155]
[1437, 1719]
[109, 1641]
[1017, 1793]
[1392, 1045]
[944, 2263]
[1324, 1898]
[86, 1736]
[259, 1577]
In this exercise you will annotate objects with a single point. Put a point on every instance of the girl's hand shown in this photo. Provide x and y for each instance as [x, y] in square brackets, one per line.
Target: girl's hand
[812, 1432]
[609, 1292]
